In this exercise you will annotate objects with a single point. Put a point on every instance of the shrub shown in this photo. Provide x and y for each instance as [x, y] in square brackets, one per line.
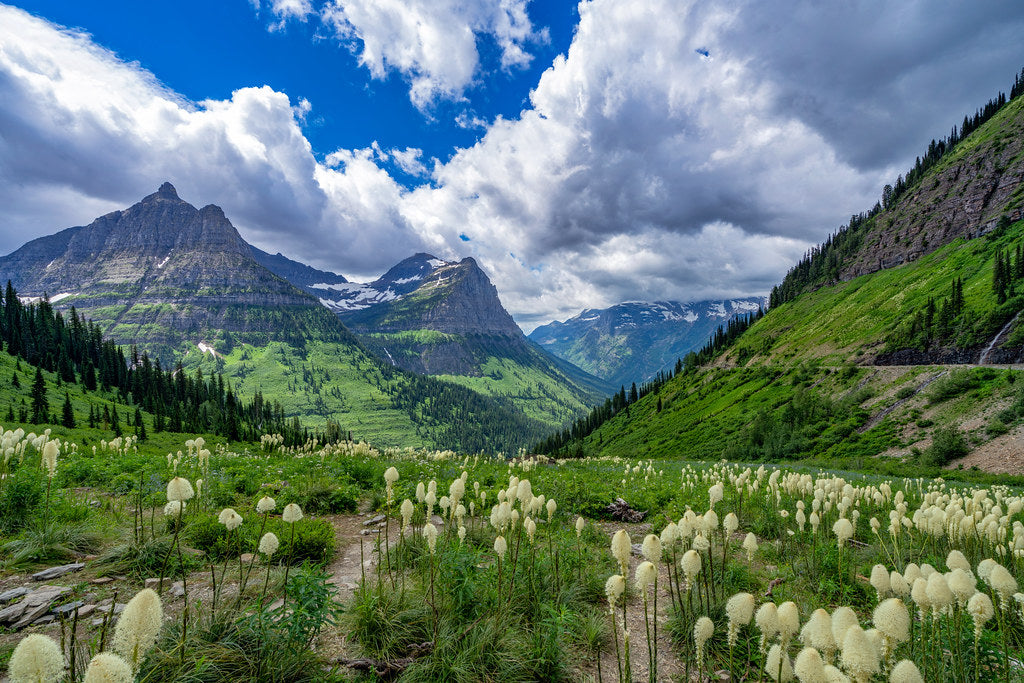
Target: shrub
[905, 393]
[954, 384]
[947, 444]
[22, 494]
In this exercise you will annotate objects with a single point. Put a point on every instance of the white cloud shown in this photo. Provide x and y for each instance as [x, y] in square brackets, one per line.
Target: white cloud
[664, 156]
[285, 11]
[432, 43]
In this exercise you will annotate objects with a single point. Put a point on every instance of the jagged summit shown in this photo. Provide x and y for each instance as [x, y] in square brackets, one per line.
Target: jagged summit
[153, 270]
[166, 191]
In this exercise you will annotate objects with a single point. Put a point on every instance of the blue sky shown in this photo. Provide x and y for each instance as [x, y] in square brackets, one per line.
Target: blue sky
[584, 153]
[206, 50]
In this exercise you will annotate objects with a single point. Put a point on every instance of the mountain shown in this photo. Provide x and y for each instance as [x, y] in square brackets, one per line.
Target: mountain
[299, 274]
[878, 348]
[180, 283]
[444, 318]
[633, 341]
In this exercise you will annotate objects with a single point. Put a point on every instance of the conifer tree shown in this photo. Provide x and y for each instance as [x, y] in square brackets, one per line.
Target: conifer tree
[68, 413]
[40, 406]
[115, 422]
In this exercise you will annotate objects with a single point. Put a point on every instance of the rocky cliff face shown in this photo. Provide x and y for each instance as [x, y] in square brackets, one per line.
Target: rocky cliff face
[966, 197]
[633, 341]
[160, 273]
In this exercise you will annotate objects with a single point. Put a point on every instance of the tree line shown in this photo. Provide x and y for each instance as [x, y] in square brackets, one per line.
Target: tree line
[822, 264]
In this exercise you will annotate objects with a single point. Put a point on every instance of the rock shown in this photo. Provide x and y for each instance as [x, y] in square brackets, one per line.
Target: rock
[102, 581]
[369, 532]
[153, 583]
[86, 610]
[247, 558]
[45, 619]
[36, 604]
[54, 572]
[68, 609]
[13, 594]
[375, 520]
[178, 589]
[119, 607]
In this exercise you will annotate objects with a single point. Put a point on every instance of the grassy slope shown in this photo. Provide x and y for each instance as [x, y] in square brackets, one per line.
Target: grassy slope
[840, 323]
[814, 342]
[324, 381]
[537, 393]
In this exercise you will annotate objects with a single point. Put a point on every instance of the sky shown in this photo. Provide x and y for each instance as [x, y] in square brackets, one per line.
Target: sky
[584, 154]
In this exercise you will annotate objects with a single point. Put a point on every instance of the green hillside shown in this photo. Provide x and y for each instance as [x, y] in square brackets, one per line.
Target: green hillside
[846, 367]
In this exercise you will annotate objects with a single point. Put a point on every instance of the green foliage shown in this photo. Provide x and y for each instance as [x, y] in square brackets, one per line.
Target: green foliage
[948, 444]
[954, 384]
[21, 495]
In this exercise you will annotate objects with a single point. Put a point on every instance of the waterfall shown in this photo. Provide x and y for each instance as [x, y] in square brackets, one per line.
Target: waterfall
[995, 340]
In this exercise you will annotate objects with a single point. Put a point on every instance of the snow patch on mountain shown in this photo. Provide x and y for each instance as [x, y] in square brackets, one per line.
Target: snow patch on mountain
[717, 310]
[355, 296]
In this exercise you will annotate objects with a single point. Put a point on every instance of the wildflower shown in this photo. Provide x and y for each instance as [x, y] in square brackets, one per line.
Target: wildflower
[669, 535]
[462, 534]
[898, 585]
[963, 585]
[731, 523]
[817, 634]
[500, 546]
[843, 529]
[809, 667]
[579, 526]
[50, 452]
[906, 672]
[391, 476]
[230, 519]
[421, 492]
[767, 621]
[842, 619]
[789, 621]
[651, 548]
[739, 609]
[292, 513]
[407, 509]
[880, 580]
[138, 627]
[269, 544]
[613, 589]
[750, 545]
[892, 619]
[107, 667]
[551, 507]
[690, 564]
[430, 533]
[702, 631]
[37, 659]
[174, 508]
[644, 575]
[859, 656]
[938, 592]
[1003, 583]
[956, 560]
[621, 548]
[981, 610]
[179, 489]
[776, 659]
[265, 504]
[715, 493]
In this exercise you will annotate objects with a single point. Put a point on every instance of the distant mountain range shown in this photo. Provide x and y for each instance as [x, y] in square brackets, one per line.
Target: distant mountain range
[633, 341]
[181, 283]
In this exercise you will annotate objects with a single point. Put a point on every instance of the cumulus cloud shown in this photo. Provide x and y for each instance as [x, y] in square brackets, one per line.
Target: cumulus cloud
[432, 43]
[285, 11]
[678, 150]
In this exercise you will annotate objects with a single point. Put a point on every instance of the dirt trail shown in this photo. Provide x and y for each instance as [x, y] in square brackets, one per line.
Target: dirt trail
[670, 666]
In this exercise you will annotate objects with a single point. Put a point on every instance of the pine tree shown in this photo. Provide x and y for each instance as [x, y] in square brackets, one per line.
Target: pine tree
[92, 417]
[10, 412]
[140, 426]
[115, 422]
[15, 382]
[40, 406]
[68, 416]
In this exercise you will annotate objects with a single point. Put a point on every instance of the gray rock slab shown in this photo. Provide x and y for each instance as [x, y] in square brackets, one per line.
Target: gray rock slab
[55, 572]
[13, 594]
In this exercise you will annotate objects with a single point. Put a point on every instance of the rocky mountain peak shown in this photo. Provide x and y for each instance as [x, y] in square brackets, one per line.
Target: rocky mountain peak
[167, 191]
